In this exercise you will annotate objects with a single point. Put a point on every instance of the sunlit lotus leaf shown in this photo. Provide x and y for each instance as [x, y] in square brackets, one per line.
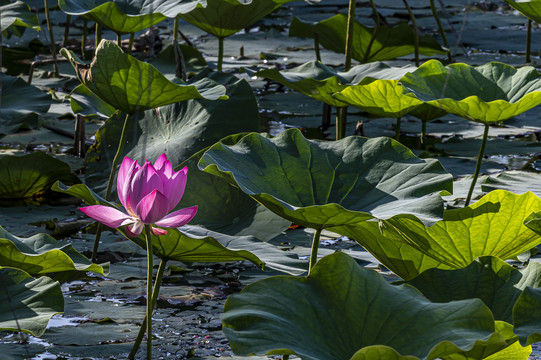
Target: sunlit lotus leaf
[383, 98]
[223, 18]
[128, 16]
[488, 94]
[21, 105]
[17, 13]
[516, 181]
[321, 184]
[529, 8]
[27, 304]
[42, 254]
[131, 85]
[390, 42]
[318, 81]
[342, 309]
[31, 175]
[488, 278]
[493, 226]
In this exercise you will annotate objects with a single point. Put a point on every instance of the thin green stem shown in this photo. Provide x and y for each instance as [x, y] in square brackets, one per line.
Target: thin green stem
[478, 165]
[349, 34]
[119, 40]
[149, 291]
[51, 36]
[98, 34]
[112, 174]
[415, 31]
[83, 38]
[423, 132]
[313, 252]
[316, 47]
[155, 293]
[220, 53]
[397, 128]
[175, 29]
[374, 34]
[66, 30]
[440, 29]
[341, 120]
[529, 42]
[130, 43]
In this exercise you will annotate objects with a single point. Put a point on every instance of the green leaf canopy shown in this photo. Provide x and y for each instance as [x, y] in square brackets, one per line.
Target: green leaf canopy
[131, 85]
[320, 82]
[42, 254]
[529, 8]
[128, 16]
[223, 18]
[32, 301]
[389, 43]
[17, 13]
[493, 226]
[488, 94]
[21, 105]
[342, 309]
[31, 175]
[320, 184]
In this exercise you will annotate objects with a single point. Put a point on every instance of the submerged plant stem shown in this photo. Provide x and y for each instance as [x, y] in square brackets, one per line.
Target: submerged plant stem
[313, 252]
[220, 53]
[478, 165]
[149, 292]
[112, 174]
[529, 42]
[155, 293]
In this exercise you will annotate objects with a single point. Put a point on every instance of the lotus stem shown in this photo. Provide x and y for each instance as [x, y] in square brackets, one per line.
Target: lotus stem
[66, 30]
[478, 165]
[175, 29]
[220, 53]
[423, 132]
[119, 40]
[529, 42]
[376, 29]
[149, 291]
[155, 293]
[349, 34]
[341, 119]
[130, 43]
[180, 69]
[397, 128]
[83, 38]
[440, 29]
[51, 36]
[313, 252]
[415, 32]
[112, 174]
[98, 34]
[316, 47]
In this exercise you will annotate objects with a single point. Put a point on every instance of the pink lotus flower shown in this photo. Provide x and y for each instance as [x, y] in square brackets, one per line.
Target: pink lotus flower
[148, 193]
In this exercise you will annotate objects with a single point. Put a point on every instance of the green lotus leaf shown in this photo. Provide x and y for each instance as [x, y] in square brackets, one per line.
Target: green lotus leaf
[21, 105]
[529, 8]
[294, 315]
[85, 102]
[527, 316]
[131, 85]
[320, 184]
[493, 226]
[31, 175]
[318, 81]
[42, 254]
[31, 301]
[496, 283]
[175, 245]
[516, 181]
[223, 18]
[128, 16]
[383, 98]
[390, 42]
[488, 94]
[17, 13]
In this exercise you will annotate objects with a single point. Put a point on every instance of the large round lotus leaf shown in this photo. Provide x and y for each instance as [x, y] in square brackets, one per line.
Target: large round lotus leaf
[31, 175]
[493, 226]
[527, 316]
[488, 278]
[321, 184]
[42, 254]
[21, 105]
[17, 13]
[223, 18]
[27, 304]
[487, 94]
[128, 16]
[320, 82]
[516, 181]
[131, 85]
[390, 42]
[342, 308]
[529, 8]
